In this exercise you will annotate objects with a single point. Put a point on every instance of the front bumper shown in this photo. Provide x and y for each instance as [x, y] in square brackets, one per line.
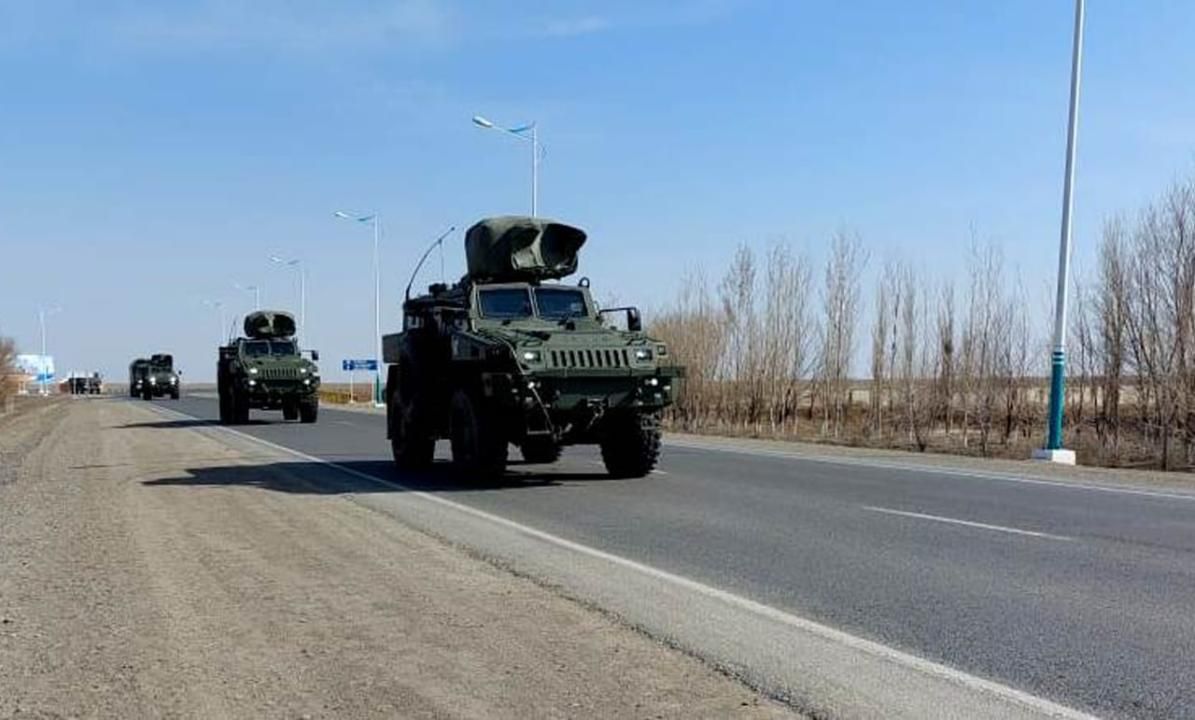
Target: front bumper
[273, 394]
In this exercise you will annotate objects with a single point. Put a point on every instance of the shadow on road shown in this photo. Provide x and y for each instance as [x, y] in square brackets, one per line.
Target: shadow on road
[188, 423]
[368, 476]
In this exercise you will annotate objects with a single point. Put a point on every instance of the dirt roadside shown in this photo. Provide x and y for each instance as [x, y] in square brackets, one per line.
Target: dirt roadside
[125, 593]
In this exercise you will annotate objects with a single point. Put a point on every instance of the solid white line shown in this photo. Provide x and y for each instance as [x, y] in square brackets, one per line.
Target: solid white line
[968, 523]
[934, 469]
[826, 632]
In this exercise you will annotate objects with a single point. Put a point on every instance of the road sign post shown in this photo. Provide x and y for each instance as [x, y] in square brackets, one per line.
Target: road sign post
[351, 366]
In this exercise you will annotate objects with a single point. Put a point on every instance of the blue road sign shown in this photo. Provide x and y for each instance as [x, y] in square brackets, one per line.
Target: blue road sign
[350, 365]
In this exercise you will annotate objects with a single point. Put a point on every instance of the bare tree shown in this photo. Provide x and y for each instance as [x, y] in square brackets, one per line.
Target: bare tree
[840, 302]
[8, 356]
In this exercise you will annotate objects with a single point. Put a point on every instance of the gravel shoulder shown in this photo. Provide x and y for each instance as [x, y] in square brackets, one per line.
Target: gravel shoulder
[126, 591]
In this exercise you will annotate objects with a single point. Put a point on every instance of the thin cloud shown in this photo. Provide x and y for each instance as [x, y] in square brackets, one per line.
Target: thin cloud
[642, 15]
[577, 26]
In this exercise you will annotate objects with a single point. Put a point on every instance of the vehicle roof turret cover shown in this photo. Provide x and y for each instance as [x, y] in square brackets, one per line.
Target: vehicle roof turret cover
[517, 248]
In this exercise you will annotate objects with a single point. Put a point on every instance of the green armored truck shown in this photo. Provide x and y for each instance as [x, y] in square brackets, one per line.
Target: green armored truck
[265, 370]
[153, 377]
[510, 355]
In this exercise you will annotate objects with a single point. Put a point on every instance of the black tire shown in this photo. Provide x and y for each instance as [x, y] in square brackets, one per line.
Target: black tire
[308, 411]
[174, 394]
[631, 444]
[412, 448]
[540, 450]
[412, 444]
[147, 393]
[290, 410]
[240, 408]
[225, 408]
[478, 444]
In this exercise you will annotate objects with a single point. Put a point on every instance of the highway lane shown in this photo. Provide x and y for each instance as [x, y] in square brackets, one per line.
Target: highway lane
[1080, 596]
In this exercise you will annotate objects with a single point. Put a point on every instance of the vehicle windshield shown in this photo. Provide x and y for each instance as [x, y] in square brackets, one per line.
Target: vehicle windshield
[266, 348]
[557, 303]
[505, 303]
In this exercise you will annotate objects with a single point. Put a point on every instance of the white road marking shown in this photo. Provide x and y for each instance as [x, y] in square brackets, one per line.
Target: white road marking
[933, 469]
[898, 657]
[968, 523]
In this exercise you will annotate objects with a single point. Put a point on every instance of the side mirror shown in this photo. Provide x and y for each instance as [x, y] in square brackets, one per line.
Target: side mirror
[315, 355]
[634, 320]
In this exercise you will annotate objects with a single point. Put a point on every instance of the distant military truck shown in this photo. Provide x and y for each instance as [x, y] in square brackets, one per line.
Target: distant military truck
[85, 384]
[153, 377]
[508, 356]
[265, 370]
[138, 376]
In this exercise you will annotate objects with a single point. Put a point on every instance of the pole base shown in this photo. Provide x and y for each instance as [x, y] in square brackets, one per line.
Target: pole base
[1062, 457]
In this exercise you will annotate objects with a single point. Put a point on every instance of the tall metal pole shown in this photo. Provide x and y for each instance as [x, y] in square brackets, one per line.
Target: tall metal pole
[377, 312]
[41, 317]
[534, 170]
[302, 303]
[1058, 360]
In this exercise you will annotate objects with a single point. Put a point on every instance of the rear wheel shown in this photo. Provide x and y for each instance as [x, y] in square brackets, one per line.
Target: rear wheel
[540, 450]
[308, 411]
[478, 444]
[631, 444]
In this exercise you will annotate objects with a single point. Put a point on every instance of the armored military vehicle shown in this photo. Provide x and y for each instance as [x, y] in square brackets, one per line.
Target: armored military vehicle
[510, 355]
[153, 377]
[265, 370]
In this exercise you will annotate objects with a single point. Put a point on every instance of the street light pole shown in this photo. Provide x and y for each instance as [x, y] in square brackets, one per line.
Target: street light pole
[297, 264]
[521, 133]
[1053, 450]
[376, 219]
[45, 369]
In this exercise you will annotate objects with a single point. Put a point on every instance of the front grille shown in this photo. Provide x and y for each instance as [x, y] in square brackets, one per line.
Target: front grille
[589, 358]
[278, 373]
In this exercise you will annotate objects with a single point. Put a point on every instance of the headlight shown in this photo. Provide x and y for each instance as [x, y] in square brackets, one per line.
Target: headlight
[307, 381]
[252, 383]
[532, 356]
[643, 354]
[252, 371]
[652, 382]
[302, 371]
[174, 381]
[153, 381]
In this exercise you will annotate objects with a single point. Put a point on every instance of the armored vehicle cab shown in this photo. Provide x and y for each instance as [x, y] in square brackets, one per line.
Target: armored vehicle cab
[510, 355]
[138, 371]
[265, 370]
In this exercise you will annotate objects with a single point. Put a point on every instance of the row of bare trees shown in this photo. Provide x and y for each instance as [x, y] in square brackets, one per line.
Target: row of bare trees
[772, 348]
[1133, 391]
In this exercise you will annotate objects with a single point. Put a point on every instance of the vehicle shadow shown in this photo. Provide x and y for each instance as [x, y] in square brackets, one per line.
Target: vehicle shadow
[368, 476]
[184, 423]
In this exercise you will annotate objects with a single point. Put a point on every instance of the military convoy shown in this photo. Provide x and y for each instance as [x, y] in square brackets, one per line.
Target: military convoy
[511, 355]
[508, 355]
[153, 377]
[265, 370]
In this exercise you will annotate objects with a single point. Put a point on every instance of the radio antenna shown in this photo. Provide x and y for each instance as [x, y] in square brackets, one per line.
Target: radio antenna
[435, 243]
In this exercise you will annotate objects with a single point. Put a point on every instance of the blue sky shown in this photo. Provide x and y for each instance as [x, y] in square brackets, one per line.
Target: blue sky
[153, 155]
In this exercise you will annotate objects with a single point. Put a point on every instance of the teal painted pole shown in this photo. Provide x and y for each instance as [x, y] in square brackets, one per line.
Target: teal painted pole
[1058, 359]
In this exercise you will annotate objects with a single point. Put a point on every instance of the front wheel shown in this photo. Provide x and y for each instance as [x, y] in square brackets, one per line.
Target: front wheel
[478, 445]
[631, 444]
[308, 411]
[147, 394]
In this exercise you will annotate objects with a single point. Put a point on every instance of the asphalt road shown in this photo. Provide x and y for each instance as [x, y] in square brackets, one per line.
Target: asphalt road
[1081, 596]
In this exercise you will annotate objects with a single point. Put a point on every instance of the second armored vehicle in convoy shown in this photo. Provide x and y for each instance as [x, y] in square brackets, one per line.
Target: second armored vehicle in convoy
[265, 370]
[154, 376]
[508, 355]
